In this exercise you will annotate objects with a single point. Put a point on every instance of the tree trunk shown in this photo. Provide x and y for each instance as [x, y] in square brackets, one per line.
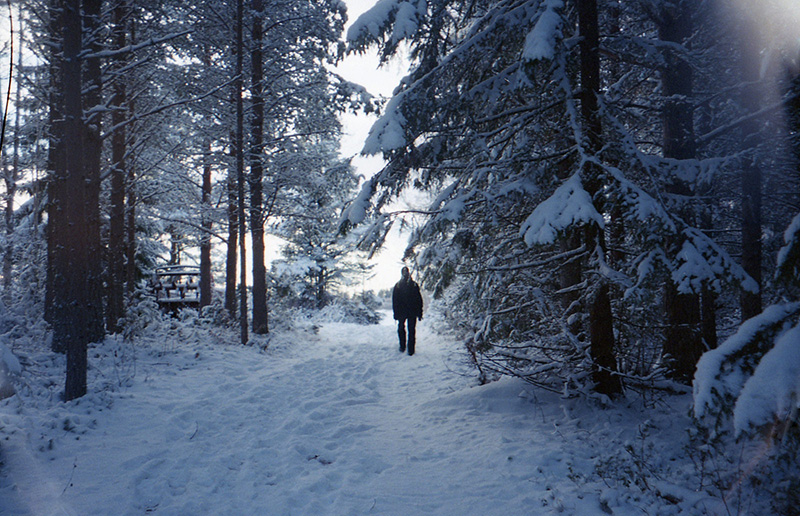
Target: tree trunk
[240, 179]
[751, 235]
[93, 148]
[601, 326]
[683, 344]
[751, 303]
[231, 258]
[176, 246]
[205, 239]
[616, 223]
[260, 316]
[55, 152]
[117, 252]
[130, 229]
[708, 316]
[569, 276]
[130, 186]
[72, 314]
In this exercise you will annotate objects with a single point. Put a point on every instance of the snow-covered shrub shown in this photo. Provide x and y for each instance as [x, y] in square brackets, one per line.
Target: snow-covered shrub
[295, 283]
[348, 310]
[215, 314]
[361, 309]
[752, 383]
[143, 315]
[754, 376]
[757, 376]
[9, 366]
[295, 298]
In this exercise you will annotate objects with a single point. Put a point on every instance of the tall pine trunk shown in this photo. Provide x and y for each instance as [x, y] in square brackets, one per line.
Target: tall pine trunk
[234, 201]
[130, 228]
[72, 314]
[93, 149]
[240, 179]
[260, 316]
[231, 258]
[206, 282]
[601, 326]
[55, 148]
[131, 269]
[117, 252]
[206, 218]
[752, 176]
[683, 339]
[616, 231]
[751, 303]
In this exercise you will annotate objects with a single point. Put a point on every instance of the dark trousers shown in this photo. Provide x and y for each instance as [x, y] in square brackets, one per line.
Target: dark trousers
[412, 334]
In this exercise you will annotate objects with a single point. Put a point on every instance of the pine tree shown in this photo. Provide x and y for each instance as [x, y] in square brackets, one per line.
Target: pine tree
[535, 164]
[309, 225]
[71, 263]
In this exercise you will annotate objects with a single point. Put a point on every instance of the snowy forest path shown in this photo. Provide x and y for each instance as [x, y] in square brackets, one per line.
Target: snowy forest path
[328, 422]
[397, 426]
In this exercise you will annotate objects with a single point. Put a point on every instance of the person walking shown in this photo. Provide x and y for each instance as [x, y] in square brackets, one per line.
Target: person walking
[407, 308]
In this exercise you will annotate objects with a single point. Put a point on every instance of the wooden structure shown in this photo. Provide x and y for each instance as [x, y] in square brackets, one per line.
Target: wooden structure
[176, 286]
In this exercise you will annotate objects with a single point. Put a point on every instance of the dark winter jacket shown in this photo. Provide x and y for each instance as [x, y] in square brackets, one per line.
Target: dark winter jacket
[406, 300]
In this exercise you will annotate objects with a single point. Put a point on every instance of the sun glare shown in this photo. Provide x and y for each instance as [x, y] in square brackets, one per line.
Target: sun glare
[774, 25]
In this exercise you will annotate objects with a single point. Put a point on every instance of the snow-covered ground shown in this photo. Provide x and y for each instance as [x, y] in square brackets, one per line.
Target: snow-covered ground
[329, 422]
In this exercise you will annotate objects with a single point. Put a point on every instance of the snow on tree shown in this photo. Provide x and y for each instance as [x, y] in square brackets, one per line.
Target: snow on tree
[754, 376]
[569, 205]
[318, 264]
[490, 121]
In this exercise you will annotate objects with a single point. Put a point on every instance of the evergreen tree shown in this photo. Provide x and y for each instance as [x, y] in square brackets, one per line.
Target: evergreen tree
[533, 178]
[71, 211]
[322, 262]
[293, 98]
